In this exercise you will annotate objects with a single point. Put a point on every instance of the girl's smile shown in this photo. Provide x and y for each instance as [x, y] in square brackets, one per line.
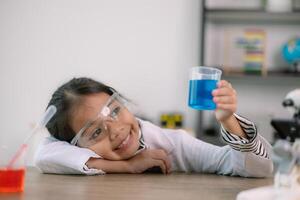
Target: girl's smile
[125, 143]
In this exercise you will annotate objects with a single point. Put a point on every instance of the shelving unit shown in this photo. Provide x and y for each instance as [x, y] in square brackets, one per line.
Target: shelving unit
[252, 17]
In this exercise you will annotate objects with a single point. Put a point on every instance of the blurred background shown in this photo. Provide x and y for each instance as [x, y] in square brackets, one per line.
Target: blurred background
[144, 49]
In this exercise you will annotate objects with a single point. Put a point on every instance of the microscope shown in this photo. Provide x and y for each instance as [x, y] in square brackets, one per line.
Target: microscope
[286, 150]
[289, 129]
[285, 155]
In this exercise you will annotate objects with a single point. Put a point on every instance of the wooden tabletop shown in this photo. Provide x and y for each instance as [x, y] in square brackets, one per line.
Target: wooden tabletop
[133, 186]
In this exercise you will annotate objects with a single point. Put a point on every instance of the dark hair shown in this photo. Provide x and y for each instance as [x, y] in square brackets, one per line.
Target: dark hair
[65, 98]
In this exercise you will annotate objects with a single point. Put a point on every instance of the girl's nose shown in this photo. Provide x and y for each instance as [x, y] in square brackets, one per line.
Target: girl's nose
[115, 129]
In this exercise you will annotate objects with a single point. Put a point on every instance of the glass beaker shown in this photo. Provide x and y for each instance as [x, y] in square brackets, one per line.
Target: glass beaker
[202, 81]
[11, 177]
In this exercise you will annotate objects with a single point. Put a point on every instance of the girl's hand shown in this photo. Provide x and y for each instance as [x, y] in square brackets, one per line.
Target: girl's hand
[225, 98]
[150, 158]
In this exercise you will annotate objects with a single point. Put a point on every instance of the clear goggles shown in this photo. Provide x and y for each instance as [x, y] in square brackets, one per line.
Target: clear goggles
[94, 130]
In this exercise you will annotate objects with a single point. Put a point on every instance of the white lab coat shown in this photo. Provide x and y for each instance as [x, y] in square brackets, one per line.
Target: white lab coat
[187, 154]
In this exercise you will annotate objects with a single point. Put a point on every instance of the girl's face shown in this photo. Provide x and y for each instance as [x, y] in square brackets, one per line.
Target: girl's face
[119, 141]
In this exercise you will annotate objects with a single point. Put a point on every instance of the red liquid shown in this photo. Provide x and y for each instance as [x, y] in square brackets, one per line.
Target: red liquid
[12, 180]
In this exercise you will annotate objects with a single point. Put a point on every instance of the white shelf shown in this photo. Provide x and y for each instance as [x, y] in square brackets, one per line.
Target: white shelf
[255, 16]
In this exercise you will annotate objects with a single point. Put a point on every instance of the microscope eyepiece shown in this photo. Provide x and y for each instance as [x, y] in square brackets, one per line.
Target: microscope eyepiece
[288, 103]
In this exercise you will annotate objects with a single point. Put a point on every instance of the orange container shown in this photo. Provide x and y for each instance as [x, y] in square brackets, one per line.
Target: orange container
[12, 180]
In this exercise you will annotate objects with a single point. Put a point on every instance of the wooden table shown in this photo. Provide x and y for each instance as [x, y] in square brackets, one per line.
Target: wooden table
[133, 186]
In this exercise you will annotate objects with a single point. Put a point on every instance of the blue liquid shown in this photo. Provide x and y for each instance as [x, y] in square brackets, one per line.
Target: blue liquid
[200, 97]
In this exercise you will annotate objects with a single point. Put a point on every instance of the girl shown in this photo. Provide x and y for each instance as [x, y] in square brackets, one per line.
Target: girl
[93, 132]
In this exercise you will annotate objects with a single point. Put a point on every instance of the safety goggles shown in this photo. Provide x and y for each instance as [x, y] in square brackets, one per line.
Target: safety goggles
[95, 130]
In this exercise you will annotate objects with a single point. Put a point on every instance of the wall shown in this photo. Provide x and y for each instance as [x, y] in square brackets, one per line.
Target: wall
[143, 48]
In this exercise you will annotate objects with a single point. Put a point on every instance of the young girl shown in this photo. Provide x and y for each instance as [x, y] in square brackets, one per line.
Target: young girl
[94, 133]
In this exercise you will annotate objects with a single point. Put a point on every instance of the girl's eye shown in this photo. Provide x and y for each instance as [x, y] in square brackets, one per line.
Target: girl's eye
[115, 112]
[96, 133]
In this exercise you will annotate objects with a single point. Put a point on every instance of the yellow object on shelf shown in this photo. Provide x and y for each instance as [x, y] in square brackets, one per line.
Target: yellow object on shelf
[171, 120]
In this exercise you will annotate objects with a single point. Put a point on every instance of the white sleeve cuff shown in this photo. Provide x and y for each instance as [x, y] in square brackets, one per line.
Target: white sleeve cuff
[58, 157]
[85, 169]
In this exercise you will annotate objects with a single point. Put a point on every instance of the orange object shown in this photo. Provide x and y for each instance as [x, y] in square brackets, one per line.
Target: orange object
[12, 180]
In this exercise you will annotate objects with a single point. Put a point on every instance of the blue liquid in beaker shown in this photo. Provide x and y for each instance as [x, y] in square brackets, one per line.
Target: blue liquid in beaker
[200, 97]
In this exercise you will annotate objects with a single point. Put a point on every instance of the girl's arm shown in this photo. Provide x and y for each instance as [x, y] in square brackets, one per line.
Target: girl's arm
[238, 132]
[241, 134]
[58, 157]
[232, 125]
[137, 164]
[226, 100]
[239, 159]
[108, 166]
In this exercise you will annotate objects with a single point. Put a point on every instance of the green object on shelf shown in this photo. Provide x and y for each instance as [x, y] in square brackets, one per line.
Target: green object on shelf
[252, 71]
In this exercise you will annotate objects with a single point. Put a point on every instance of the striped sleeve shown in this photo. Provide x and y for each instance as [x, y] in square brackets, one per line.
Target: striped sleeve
[249, 144]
